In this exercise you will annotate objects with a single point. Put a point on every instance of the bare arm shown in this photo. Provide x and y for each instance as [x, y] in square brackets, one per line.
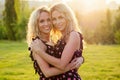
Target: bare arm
[67, 54]
[47, 70]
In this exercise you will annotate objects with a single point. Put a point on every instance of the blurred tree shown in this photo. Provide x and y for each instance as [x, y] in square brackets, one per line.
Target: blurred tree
[110, 30]
[23, 12]
[2, 31]
[17, 6]
[116, 26]
[10, 19]
[117, 36]
[16, 15]
[105, 33]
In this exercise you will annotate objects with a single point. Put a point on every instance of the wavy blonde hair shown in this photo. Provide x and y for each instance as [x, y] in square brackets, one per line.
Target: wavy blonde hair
[72, 23]
[33, 27]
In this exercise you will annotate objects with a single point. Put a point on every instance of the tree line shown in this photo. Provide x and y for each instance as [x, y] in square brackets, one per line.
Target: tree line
[14, 22]
[16, 14]
[107, 32]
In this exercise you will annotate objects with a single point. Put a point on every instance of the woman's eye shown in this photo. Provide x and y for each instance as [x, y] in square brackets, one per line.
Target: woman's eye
[53, 19]
[48, 19]
[41, 21]
[60, 17]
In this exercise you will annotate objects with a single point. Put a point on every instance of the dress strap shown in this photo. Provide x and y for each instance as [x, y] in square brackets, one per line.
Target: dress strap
[39, 38]
[81, 42]
[67, 35]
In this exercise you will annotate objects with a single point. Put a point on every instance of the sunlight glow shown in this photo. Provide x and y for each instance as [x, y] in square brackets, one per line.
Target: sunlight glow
[51, 0]
[66, 0]
[108, 1]
[90, 5]
[43, 0]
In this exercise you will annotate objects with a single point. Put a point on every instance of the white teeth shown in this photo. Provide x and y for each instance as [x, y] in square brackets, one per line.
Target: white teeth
[46, 28]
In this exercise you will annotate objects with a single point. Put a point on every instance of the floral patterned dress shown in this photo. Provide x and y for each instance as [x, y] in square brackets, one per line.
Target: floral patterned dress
[56, 51]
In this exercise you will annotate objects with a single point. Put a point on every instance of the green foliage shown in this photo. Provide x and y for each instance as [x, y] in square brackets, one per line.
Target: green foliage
[88, 35]
[21, 29]
[2, 31]
[101, 62]
[117, 20]
[105, 31]
[10, 19]
[23, 13]
[16, 15]
[105, 34]
[117, 27]
[117, 37]
[18, 10]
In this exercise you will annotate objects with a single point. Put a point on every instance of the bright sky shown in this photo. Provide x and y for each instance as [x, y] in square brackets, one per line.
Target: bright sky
[86, 5]
[91, 5]
[51, 0]
[117, 1]
[87, 1]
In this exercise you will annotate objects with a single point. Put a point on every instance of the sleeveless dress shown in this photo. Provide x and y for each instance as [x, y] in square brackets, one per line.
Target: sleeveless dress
[50, 51]
[72, 74]
[56, 51]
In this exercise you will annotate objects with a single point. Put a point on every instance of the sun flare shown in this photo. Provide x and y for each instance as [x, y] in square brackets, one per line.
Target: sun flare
[109, 1]
[90, 5]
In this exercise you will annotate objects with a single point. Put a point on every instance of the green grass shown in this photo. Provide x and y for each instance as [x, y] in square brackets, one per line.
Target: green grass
[15, 63]
[101, 62]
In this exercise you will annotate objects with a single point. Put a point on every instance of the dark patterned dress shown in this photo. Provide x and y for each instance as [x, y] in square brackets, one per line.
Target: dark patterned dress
[50, 51]
[72, 74]
[56, 51]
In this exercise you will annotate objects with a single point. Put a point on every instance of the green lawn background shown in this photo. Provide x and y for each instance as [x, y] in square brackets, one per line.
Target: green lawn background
[102, 62]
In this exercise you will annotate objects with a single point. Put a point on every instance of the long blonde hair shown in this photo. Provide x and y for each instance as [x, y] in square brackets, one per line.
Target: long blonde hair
[33, 27]
[72, 23]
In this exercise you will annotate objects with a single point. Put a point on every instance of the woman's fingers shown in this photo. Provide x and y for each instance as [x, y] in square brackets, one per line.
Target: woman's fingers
[74, 60]
[76, 63]
[37, 45]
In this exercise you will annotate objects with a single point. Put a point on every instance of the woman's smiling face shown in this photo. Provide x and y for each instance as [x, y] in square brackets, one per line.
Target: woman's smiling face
[58, 20]
[44, 22]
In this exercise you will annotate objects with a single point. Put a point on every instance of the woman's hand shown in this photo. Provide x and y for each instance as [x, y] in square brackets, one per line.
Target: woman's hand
[70, 66]
[37, 45]
[75, 64]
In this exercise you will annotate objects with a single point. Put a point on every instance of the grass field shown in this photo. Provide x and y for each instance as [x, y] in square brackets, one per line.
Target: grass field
[102, 62]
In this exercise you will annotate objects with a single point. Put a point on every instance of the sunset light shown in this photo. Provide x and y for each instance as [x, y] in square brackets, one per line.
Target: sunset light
[108, 1]
[92, 5]
[40, 38]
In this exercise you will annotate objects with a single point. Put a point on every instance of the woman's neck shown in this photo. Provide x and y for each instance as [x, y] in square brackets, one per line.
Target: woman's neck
[45, 37]
[63, 33]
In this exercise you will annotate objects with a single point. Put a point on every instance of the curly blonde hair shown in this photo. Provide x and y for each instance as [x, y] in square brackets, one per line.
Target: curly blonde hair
[72, 23]
[33, 27]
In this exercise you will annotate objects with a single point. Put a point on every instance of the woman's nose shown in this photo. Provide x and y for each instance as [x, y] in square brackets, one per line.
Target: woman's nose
[46, 23]
[57, 21]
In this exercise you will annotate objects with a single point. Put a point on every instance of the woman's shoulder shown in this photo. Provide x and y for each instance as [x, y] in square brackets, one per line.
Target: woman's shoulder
[74, 34]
